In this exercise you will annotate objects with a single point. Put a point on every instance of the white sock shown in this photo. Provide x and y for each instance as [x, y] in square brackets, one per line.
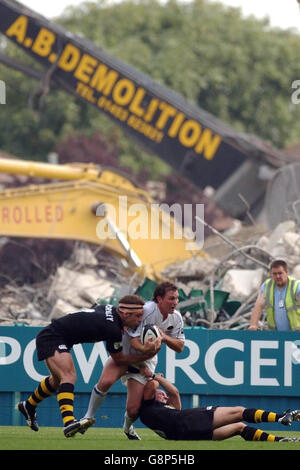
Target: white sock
[96, 399]
[128, 422]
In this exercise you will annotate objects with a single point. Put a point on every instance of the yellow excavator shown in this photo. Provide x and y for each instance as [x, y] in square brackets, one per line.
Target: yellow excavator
[98, 206]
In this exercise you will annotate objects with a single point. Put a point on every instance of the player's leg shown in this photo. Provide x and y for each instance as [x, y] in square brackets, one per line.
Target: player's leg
[45, 389]
[246, 432]
[225, 424]
[227, 415]
[61, 365]
[110, 374]
[224, 415]
[135, 383]
[45, 345]
[253, 415]
[135, 391]
[227, 431]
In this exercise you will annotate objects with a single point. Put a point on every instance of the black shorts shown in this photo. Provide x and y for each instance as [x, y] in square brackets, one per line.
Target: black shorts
[48, 341]
[197, 424]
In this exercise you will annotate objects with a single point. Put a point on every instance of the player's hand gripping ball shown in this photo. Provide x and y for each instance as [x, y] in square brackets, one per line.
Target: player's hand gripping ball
[149, 332]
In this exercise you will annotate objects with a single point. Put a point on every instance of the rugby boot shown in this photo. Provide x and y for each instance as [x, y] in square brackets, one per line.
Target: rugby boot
[289, 439]
[71, 429]
[131, 434]
[85, 423]
[29, 416]
[289, 417]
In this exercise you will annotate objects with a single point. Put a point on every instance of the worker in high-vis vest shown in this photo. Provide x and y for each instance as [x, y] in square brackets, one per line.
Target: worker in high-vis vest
[279, 298]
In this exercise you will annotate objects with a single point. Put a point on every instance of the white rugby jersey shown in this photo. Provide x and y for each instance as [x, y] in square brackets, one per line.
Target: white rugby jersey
[172, 325]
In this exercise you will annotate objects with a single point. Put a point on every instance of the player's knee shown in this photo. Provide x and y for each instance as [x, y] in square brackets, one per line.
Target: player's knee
[69, 376]
[238, 411]
[132, 410]
[54, 381]
[240, 427]
[104, 384]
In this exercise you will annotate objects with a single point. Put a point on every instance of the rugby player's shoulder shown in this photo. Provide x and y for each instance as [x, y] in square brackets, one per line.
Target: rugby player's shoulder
[150, 306]
[177, 314]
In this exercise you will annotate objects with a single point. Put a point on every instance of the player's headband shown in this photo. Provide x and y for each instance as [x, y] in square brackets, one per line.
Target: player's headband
[130, 307]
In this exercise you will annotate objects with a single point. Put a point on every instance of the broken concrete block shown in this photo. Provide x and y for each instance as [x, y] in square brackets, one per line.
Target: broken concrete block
[263, 243]
[279, 231]
[84, 256]
[60, 309]
[296, 272]
[242, 282]
[292, 243]
[191, 268]
[99, 290]
[68, 286]
[79, 289]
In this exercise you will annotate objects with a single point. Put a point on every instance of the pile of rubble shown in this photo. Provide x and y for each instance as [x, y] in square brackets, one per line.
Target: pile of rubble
[235, 268]
[77, 283]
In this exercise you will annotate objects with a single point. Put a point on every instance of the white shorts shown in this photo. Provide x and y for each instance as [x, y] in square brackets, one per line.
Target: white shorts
[150, 363]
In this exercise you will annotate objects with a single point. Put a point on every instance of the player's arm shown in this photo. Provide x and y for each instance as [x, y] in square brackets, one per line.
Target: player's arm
[128, 359]
[114, 347]
[150, 389]
[298, 294]
[148, 347]
[170, 389]
[153, 384]
[174, 343]
[257, 311]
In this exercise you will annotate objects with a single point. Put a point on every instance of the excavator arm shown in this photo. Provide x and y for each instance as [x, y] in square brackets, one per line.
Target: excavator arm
[98, 207]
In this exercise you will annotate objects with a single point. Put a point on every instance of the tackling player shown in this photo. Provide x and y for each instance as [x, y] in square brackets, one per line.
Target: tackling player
[162, 413]
[100, 323]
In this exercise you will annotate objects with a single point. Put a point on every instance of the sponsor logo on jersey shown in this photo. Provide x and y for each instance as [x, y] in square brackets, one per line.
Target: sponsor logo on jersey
[108, 312]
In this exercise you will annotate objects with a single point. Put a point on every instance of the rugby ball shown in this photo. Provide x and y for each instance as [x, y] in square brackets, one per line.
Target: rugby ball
[149, 332]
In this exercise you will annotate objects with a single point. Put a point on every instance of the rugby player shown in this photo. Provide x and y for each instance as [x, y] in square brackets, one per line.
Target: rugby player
[54, 342]
[161, 412]
[162, 313]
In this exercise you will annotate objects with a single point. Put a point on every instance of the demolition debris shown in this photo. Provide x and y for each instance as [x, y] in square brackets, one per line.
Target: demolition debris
[216, 292]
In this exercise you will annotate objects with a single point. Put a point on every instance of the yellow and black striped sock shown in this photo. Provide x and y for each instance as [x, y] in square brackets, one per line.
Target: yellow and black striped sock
[253, 415]
[44, 390]
[65, 397]
[252, 434]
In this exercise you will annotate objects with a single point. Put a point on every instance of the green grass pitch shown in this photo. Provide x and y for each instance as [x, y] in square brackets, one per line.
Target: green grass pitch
[52, 438]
